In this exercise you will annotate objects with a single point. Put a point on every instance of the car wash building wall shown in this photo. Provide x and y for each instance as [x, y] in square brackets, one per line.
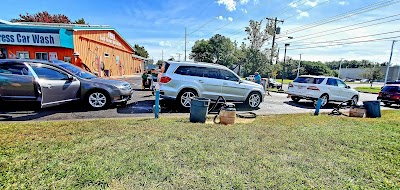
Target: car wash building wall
[43, 43]
[100, 47]
[107, 47]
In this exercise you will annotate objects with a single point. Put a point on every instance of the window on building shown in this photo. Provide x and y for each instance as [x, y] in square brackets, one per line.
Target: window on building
[22, 55]
[41, 56]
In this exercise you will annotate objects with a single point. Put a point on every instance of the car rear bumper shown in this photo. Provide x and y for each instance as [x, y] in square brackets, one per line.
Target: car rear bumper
[308, 96]
[388, 100]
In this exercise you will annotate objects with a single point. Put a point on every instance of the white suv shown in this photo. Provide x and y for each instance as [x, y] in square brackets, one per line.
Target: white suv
[182, 81]
[326, 88]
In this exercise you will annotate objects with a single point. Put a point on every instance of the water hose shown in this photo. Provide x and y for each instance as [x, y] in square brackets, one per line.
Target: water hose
[245, 115]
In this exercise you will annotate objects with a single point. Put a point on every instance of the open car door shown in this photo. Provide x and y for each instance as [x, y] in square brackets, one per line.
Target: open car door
[57, 87]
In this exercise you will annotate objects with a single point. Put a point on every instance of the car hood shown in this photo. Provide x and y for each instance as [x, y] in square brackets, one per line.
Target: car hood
[250, 83]
[107, 81]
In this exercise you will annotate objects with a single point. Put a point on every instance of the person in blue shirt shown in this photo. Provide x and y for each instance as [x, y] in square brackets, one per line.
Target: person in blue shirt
[257, 78]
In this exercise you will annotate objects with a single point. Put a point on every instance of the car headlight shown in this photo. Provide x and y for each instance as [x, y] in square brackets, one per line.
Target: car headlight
[126, 86]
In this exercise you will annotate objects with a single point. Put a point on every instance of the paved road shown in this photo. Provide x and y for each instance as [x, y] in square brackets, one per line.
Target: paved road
[141, 106]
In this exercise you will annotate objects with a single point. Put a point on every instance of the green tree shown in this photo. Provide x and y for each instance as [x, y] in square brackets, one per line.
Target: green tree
[373, 74]
[80, 21]
[201, 51]
[141, 51]
[218, 49]
[315, 68]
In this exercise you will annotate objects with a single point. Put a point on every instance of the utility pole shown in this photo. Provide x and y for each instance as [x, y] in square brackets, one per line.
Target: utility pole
[185, 43]
[390, 60]
[340, 66]
[298, 67]
[179, 56]
[277, 57]
[284, 63]
[273, 37]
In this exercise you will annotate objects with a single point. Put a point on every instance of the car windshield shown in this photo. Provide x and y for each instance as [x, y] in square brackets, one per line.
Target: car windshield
[310, 80]
[391, 89]
[78, 71]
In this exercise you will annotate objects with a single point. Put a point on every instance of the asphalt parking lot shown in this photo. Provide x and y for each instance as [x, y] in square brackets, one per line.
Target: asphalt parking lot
[142, 103]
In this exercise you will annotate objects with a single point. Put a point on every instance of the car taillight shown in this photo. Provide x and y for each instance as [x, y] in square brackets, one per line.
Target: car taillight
[396, 96]
[290, 85]
[379, 94]
[312, 88]
[165, 79]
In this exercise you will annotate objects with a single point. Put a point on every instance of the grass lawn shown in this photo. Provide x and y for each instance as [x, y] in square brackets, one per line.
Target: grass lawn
[275, 152]
[374, 90]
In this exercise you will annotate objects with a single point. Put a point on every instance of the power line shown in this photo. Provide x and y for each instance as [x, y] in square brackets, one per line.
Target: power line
[380, 39]
[308, 9]
[330, 30]
[378, 34]
[343, 15]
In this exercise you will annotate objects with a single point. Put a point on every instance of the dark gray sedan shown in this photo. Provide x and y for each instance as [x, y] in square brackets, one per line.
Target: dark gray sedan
[56, 83]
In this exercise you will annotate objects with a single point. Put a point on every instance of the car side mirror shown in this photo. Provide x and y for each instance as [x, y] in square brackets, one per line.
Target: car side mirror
[71, 78]
[348, 87]
[240, 81]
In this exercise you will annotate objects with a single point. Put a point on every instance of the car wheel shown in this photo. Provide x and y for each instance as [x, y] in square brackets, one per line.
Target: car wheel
[354, 101]
[253, 100]
[324, 100]
[97, 100]
[185, 98]
[295, 99]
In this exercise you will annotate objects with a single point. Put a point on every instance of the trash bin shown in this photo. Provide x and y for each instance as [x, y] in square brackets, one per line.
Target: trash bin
[199, 109]
[373, 108]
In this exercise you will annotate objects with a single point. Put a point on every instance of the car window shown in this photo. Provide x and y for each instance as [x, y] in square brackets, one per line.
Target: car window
[189, 71]
[341, 84]
[332, 82]
[14, 69]
[44, 72]
[391, 89]
[226, 75]
[309, 80]
[211, 73]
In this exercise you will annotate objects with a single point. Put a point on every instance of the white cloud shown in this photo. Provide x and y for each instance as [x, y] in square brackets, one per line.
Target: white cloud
[343, 3]
[244, 11]
[302, 14]
[311, 3]
[244, 2]
[165, 44]
[256, 2]
[221, 18]
[293, 4]
[229, 4]
[230, 19]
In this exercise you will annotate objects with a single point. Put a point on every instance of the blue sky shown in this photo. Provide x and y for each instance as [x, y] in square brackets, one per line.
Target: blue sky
[159, 25]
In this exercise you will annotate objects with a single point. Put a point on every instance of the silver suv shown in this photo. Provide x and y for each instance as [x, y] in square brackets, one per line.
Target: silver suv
[182, 81]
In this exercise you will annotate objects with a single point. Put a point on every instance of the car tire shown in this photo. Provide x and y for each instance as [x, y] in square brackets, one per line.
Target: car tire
[253, 100]
[184, 98]
[295, 99]
[97, 99]
[353, 101]
[325, 100]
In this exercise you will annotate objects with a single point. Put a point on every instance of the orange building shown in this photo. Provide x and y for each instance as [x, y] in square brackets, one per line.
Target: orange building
[101, 48]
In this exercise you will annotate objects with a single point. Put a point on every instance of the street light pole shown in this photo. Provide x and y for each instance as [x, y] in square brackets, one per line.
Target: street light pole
[298, 67]
[340, 67]
[388, 65]
[284, 62]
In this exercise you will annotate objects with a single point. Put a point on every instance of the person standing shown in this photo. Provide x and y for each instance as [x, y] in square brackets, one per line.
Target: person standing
[257, 78]
[78, 60]
[144, 79]
[2, 55]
